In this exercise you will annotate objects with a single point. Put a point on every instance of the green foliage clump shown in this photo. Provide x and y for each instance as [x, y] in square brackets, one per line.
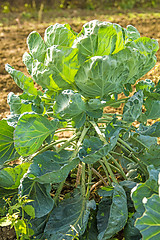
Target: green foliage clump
[80, 74]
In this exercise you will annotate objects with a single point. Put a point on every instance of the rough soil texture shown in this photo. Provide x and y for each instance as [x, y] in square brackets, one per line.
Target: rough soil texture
[13, 40]
[13, 45]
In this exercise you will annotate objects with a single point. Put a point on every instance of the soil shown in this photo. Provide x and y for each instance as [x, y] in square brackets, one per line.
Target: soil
[14, 31]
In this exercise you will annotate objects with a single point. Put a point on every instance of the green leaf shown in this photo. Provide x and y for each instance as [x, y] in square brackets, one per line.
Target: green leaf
[38, 225]
[7, 150]
[31, 131]
[99, 39]
[36, 46]
[20, 226]
[79, 120]
[146, 190]
[105, 75]
[112, 214]
[63, 61]
[69, 104]
[113, 129]
[130, 231]
[151, 155]
[24, 82]
[39, 193]
[93, 149]
[153, 131]
[133, 108]
[29, 210]
[131, 33]
[69, 218]
[152, 108]
[10, 177]
[48, 78]
[17, 105]
[59, 34]
[149, 223]
[145, 85]
[51, 167]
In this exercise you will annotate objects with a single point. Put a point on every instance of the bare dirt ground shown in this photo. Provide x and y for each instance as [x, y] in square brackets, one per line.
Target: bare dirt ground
[13, 38]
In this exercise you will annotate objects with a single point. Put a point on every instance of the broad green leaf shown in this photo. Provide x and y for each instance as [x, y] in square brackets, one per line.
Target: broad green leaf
[99, 39]
[10, 177]
[59, 34]
[29, 210]
[28, 59]
[126, 66]
[151, 155]
[141, 143]
[153, 131]
[50, 167]
[145, 46]
[113, 129]
[146, 190]
[48, 78]
[69, 218]
[18, 106]
[133, 108]
[130, 231]
[95, 104]
[24, 82]
[63, 61]
[131, 33]
[93, 149]
[152, 108]
[79, 120]
[31, 131]
[36, 46]
[7, 150]
[38, 225]
[87, 41]
[91, 231]
[106, 75]
[112, 214]
[69, 104]
[39, 193]
[110, 39]
[149, 223]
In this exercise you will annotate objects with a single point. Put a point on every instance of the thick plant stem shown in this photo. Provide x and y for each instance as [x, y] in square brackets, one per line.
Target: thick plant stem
[118, 165]
[101, 136]
[138, 141]
[89, 181]
[122, 155]
[83, 181]
[78, 178]
[60, 187]
[135, 159]
[109, 170]
[68, 141]
[99, 175]
[75, 136]
[125, 144]
[79, 142]
[106, 172]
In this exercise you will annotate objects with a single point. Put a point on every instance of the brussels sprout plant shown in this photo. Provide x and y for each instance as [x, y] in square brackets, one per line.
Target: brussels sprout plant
[78, 163]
